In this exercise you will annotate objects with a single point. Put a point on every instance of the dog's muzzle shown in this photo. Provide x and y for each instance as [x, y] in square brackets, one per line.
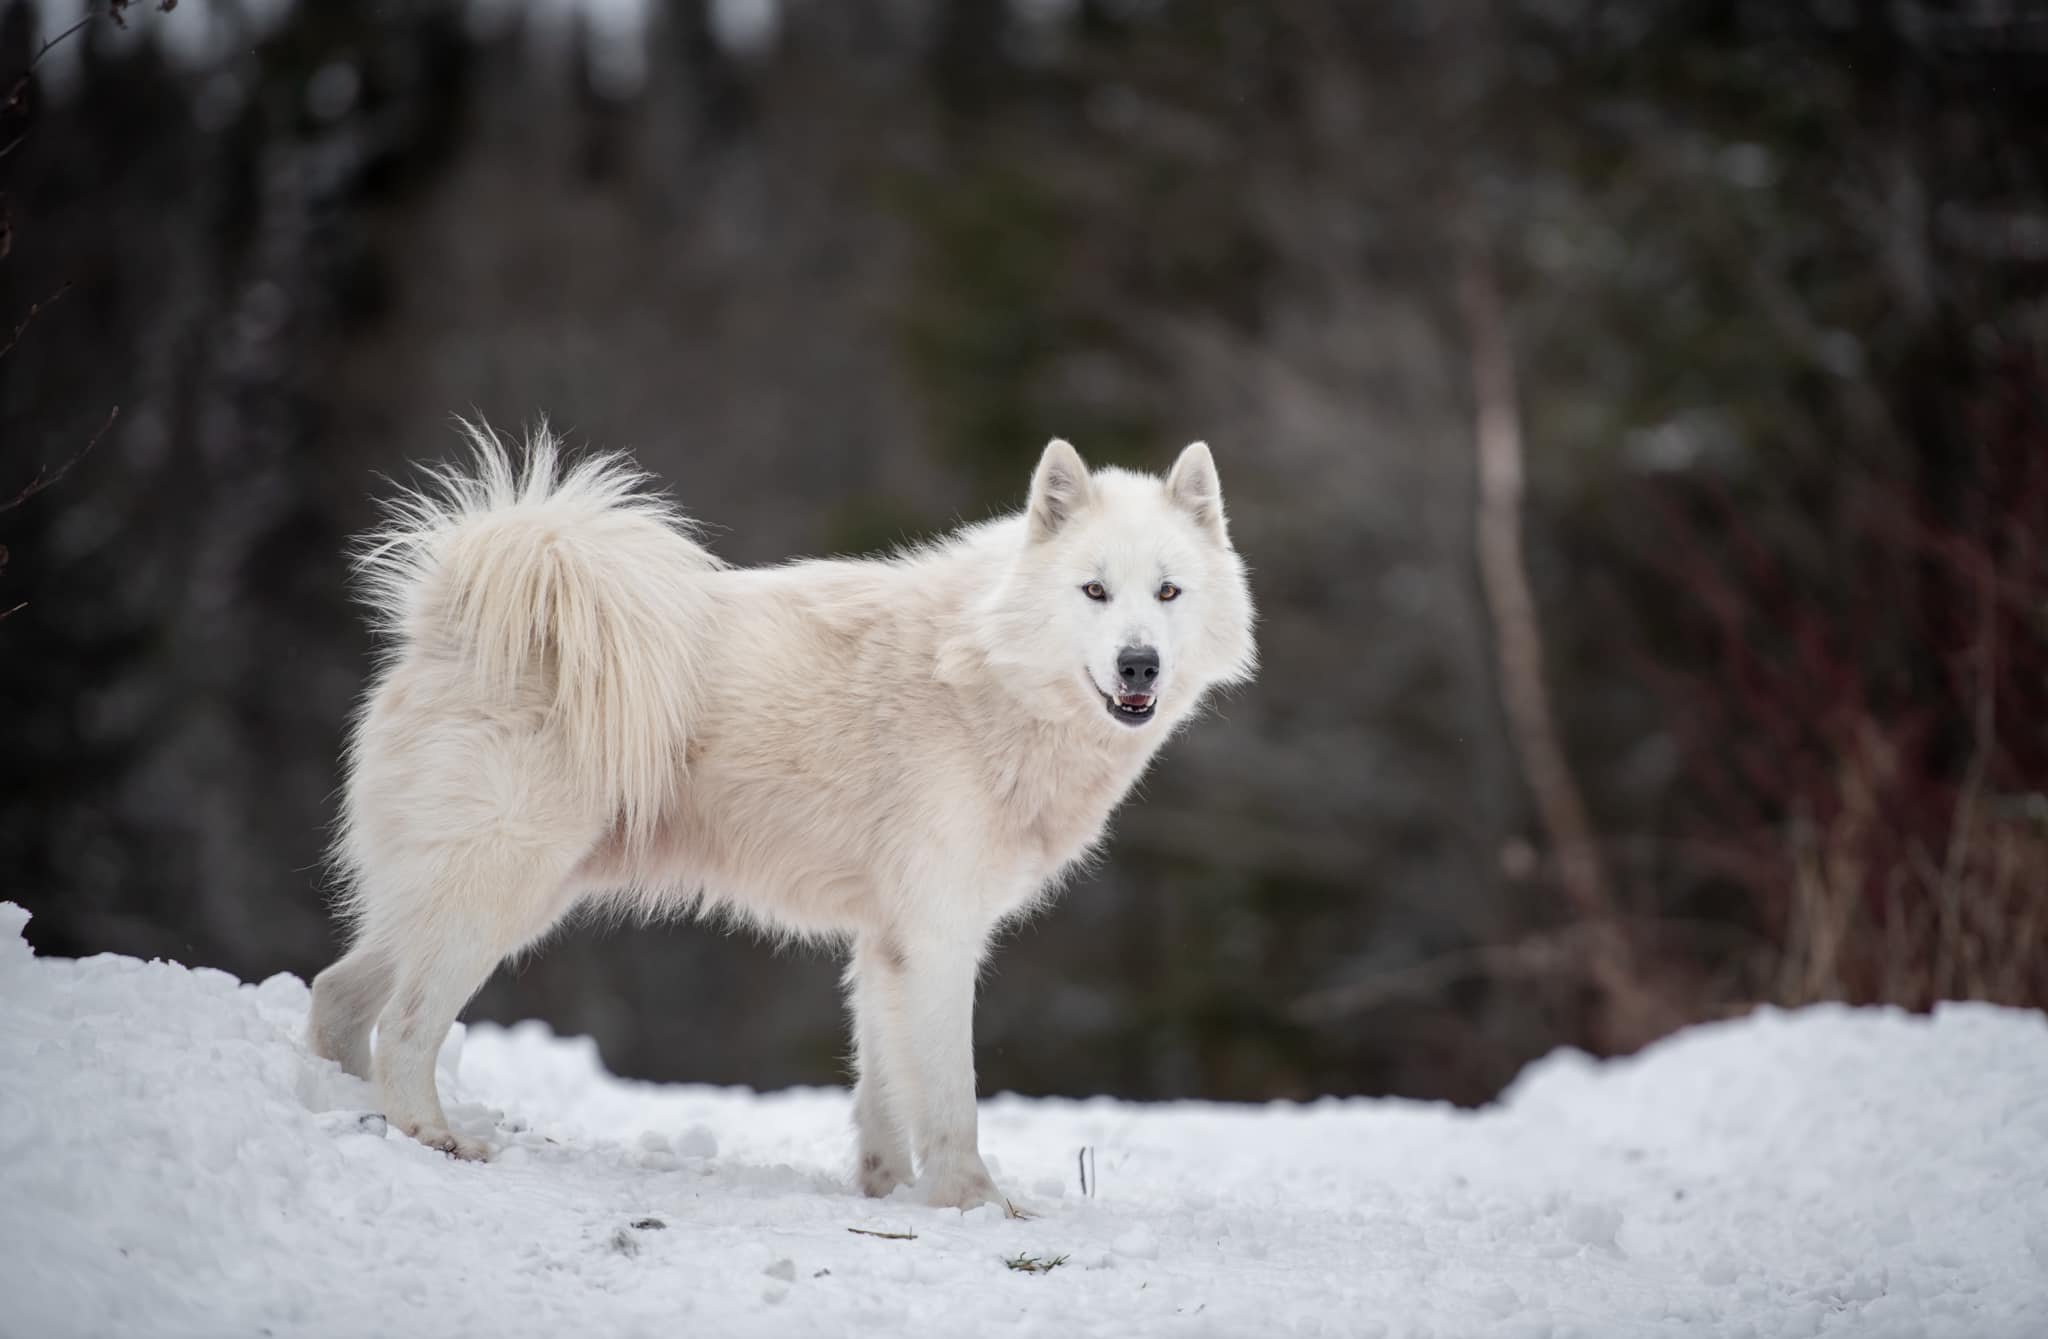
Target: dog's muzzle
[1131, 708]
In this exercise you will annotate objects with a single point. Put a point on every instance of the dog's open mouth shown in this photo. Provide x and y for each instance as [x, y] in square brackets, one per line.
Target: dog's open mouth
[1131, 708]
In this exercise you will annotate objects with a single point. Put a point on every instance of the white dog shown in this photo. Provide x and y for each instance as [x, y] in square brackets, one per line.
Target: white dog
[581, 703]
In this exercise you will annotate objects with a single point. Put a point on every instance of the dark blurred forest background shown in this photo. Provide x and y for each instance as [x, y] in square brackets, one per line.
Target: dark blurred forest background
[1635, 416]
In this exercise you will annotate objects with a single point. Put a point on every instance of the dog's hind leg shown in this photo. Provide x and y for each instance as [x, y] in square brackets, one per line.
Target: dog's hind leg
[489, 901]
[346, 999]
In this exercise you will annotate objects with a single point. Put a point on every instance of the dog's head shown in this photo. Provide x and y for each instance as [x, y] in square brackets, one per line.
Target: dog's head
[1127, 590]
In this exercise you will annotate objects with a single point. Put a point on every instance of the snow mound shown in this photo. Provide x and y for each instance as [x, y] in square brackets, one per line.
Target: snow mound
[173, 1162]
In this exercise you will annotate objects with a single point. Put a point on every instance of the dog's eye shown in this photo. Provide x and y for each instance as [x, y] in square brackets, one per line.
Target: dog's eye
[1168, 591]
[1095, 590]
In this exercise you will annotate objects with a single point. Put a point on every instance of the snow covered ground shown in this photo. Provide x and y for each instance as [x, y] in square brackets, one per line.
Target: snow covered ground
[172, 1162]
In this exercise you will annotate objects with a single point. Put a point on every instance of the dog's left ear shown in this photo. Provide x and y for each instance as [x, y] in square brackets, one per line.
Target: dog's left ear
[1195, 489]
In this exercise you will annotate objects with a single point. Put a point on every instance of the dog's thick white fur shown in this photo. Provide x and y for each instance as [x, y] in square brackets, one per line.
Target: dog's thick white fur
[581, 704]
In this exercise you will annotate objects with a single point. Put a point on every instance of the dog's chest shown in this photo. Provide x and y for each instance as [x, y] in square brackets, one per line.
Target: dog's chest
[1056, 802]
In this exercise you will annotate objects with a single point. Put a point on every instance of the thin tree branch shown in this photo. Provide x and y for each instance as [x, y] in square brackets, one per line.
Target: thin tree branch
[35, 309]
[45, 476]
[17, 92]
[16, 103]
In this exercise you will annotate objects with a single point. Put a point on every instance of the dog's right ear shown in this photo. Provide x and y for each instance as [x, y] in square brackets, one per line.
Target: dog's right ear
[1059, 489]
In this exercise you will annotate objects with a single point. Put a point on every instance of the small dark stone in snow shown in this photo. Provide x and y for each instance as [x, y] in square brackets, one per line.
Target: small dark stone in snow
[372, 1122]
[648, 1224]
[821, 1274]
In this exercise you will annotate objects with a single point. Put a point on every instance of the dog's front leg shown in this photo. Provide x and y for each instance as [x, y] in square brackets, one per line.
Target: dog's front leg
[880, 1120]
[925, 984]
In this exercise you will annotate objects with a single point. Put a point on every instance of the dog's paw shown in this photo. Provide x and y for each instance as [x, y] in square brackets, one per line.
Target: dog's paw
[879, 1174]
[958, 1184]
[454, 1145]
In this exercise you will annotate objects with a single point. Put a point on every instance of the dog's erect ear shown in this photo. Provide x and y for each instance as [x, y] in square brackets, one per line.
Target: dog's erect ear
[1195, 489]
[1059, 489]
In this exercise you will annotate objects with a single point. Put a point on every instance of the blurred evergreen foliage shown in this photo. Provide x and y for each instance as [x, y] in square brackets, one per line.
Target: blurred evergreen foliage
[839, 292]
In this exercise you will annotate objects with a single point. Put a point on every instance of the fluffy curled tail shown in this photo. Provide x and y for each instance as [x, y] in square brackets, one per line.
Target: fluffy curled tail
[570, 580]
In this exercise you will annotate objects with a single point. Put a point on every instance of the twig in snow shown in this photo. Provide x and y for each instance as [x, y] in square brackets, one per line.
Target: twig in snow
[885, 1236]
[1026, 1263]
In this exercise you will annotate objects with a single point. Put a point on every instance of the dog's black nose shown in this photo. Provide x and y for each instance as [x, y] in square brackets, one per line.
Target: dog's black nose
[1137, 666]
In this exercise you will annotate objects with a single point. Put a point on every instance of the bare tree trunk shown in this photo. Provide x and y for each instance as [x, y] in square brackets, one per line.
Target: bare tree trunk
[1631, 1012]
